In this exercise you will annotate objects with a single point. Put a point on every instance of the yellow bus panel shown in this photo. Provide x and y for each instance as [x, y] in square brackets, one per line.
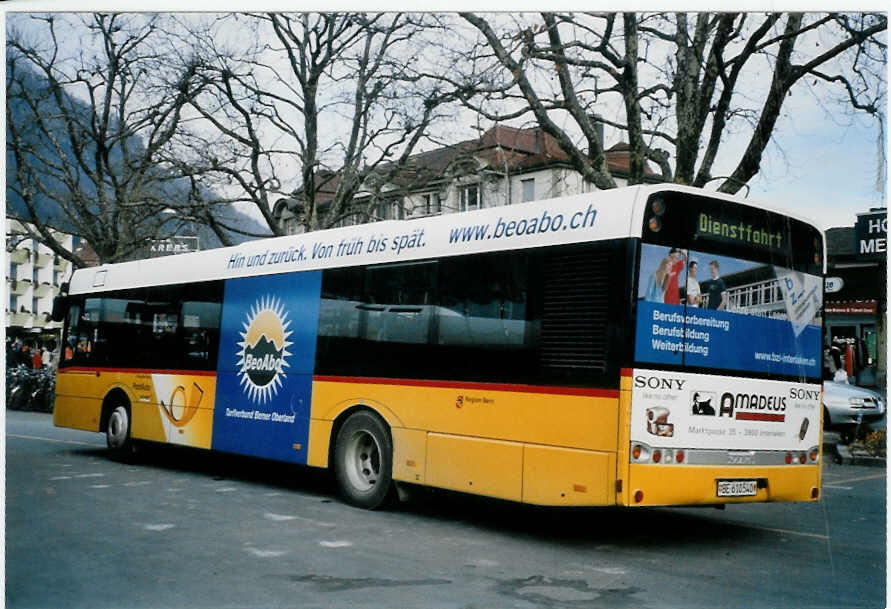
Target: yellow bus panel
[560, 476]
[573, 421]
[472, 465]
[409, 455]
[175, 408]
[77, 412]
[663, 484]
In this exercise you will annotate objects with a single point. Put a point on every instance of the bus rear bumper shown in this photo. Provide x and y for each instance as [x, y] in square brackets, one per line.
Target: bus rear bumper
[651, 484]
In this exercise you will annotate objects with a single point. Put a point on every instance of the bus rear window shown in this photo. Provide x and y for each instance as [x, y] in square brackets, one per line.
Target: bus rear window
[700, 309]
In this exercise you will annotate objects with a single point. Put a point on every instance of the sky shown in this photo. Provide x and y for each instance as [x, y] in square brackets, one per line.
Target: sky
[819, 165]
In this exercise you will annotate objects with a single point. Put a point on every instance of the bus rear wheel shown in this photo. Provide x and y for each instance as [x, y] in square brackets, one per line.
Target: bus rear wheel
[363, 461]
[117, 432]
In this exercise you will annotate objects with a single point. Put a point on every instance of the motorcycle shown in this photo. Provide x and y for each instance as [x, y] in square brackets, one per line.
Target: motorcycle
[28, 389]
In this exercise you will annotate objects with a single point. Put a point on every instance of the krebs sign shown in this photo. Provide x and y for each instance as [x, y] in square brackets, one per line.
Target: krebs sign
[871, 232]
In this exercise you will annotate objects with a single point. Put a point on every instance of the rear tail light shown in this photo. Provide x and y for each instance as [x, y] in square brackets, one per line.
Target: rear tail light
[788, 458]
[679, 456]
[638, 496]
[802, 458]
[814, 454]
[657, 456]
[635, 452]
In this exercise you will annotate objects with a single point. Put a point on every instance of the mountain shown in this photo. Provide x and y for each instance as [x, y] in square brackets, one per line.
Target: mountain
[49, 211]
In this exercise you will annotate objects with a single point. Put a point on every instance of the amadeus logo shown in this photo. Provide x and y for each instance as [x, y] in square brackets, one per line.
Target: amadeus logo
[264, 349]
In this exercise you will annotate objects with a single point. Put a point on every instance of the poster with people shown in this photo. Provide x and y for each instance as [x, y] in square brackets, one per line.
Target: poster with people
[701, 309]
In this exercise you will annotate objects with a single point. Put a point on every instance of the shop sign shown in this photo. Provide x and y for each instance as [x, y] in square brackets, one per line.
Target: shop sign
[851, 307]
[834, 284]
[871, 233]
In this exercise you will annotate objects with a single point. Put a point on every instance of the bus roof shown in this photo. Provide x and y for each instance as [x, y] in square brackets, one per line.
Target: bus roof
[595, 216]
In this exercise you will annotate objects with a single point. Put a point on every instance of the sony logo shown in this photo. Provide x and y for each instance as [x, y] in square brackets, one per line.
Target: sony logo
[656, 382]
[804, 394]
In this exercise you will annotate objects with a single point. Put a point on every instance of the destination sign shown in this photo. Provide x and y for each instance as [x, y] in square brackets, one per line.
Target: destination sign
[738, 231]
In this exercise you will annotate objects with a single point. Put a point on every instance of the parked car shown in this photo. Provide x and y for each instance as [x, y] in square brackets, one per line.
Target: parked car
[845, 407]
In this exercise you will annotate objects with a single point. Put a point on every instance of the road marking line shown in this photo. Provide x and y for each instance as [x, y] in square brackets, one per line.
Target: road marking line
[278, 517]
[266, 553]
[335, 544]
[12, 435]
[844, 488]
[784, 531]
[861, 478]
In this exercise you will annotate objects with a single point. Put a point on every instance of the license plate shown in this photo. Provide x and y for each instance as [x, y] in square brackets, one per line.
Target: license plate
[737, 488]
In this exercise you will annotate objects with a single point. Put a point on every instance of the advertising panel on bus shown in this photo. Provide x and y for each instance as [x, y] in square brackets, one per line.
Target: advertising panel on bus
[680, 410]
[711, 311]
[265, 365]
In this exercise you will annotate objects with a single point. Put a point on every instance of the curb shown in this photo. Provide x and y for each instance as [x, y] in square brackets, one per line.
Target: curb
[843, 456]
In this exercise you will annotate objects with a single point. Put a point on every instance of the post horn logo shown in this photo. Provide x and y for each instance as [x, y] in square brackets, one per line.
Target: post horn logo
[180, 412]
[264, 349]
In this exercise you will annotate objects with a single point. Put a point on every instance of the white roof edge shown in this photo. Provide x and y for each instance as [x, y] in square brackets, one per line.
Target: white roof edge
[607, 214]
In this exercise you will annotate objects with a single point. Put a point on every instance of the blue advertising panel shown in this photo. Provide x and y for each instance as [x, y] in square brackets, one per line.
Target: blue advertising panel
[265, 365]
[698, 309]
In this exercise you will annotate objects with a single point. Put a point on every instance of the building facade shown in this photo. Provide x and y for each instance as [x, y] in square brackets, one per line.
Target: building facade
[505, 166]
[34, 274]
[856, 314]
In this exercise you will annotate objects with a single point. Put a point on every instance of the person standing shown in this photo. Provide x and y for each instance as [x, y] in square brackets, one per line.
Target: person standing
[36, 358]
[694, 293]
[25, 356]
[672, 293]
[717, 291]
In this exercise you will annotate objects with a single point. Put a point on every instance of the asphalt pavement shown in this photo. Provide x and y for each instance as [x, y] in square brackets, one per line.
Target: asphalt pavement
[186, 528]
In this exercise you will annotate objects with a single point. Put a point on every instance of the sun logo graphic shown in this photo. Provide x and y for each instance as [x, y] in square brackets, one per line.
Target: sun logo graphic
[264, 349]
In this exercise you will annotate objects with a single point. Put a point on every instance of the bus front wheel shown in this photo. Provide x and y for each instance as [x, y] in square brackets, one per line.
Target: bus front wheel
[363, 461]
[117, 431]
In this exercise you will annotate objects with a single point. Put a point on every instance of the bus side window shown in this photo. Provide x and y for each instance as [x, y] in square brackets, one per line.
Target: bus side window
[69, 349]
[200, 334]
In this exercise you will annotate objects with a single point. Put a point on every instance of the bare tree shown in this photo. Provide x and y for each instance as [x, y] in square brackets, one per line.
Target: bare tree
[329, 102]
[676, 83]
[90, 104]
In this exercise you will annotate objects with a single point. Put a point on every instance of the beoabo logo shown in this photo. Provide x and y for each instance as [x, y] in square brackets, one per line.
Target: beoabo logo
[264, 349]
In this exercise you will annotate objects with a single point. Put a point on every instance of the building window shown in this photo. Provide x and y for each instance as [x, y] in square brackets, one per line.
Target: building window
[13, 301]
[528, 189]
[390, 210]
[471, 197]
[432, 204]
[291, 226]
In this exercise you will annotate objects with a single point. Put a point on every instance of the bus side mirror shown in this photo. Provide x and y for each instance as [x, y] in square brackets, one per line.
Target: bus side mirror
[61, 304]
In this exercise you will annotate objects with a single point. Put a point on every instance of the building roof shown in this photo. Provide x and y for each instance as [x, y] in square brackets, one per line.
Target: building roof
[500, 149]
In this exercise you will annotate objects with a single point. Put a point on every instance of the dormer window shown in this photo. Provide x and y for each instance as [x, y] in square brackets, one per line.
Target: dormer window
[471, 197]
[432, 204]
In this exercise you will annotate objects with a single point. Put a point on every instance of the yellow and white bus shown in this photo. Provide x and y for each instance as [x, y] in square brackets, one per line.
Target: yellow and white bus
[652, 345]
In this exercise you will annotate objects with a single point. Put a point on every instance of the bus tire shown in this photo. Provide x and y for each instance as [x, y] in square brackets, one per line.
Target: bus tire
[117, 432]
[363, 461]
